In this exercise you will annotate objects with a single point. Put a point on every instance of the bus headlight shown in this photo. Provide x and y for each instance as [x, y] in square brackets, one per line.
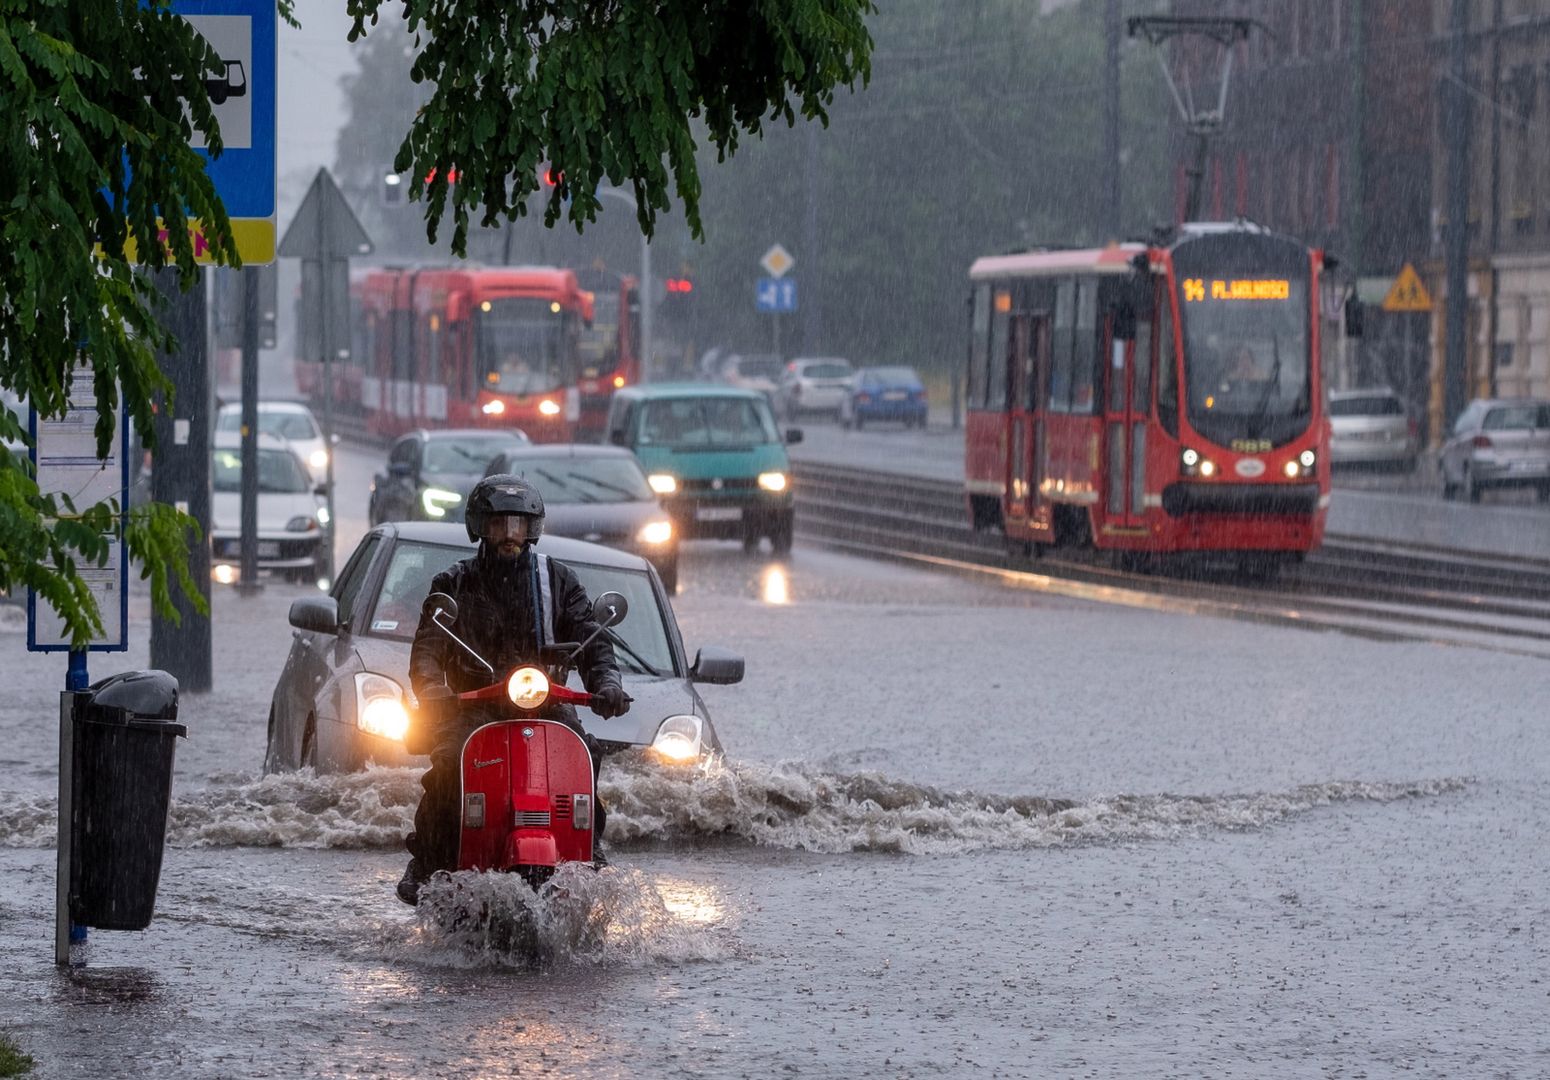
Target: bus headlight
[549, 407]
[657, 532]
[436, 501]
[678, 739]
[528, 688]
[662, 483]
[379, 706]
[772, 481]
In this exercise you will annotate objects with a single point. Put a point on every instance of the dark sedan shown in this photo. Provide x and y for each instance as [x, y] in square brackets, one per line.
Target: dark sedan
[884, 393]
[342, 699]
[598, 493]
[429, 473]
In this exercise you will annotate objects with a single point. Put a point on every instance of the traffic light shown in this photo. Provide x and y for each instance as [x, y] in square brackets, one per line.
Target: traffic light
[394, 190]
[679, 285]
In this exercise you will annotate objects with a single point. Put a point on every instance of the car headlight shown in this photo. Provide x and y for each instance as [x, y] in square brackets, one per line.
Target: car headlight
[662, 483]
[658, 532]
[528, 688]
[319, 459]
[678, 739]
[322, 515]
[772, 481]
[379, 706]
[436, 501]
[224, 574]
[302, 523]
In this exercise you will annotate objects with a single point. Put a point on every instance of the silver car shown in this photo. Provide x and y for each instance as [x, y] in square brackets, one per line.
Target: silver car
[1371, 427]
[815, 384]
[1498, 443]
[342, 699]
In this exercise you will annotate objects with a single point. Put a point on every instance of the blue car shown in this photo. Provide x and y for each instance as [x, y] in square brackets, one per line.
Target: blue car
[884, 393]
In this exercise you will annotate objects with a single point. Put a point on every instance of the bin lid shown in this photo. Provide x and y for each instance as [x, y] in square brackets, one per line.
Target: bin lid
[148, 695]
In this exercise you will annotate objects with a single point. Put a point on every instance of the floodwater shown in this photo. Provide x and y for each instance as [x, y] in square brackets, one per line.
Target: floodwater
[959, 831]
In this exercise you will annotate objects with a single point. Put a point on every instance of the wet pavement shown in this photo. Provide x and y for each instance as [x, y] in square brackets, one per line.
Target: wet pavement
[959, 831]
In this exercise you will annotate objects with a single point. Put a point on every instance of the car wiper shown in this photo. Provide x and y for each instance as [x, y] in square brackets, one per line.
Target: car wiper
[620, 642]
[560, 486]
[605, 485]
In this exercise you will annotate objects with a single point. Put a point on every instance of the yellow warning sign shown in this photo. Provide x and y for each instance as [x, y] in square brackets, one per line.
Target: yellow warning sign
[1407, 293]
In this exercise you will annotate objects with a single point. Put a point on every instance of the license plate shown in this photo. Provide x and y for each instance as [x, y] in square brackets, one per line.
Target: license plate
[895, 395]
[718, 513]
[269, 549]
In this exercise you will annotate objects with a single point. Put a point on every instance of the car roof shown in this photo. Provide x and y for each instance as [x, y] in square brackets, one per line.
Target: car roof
[820, 360]
[558, 547]
[1492, 402]
[269, 405]
[231, 440]
[1371, 391]
[541, 451]
[687, 389]
[428, 434]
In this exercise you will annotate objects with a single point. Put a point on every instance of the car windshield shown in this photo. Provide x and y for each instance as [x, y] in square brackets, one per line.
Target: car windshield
[470, 454]
[707, 422]
[827, 371]
[283, 425]
[279, 473]
[413, 565]
[1372, 405]
[584, 479]
[891, 375]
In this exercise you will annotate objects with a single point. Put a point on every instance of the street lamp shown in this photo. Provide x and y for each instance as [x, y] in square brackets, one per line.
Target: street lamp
[645, 284]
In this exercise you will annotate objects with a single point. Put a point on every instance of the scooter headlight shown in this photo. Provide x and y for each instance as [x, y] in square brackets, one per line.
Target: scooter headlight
[379, 706]
[678, 739]
[528, 688]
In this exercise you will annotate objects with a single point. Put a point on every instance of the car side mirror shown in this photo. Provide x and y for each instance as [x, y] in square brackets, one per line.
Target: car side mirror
[609, 609]
[716, 666]
[321, 491]
[334, 439]
[617, 437]
[442, 604]
[793, 436]
[320, 614]
[401, 469]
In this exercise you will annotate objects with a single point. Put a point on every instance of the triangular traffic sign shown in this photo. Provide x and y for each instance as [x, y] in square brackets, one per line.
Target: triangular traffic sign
[1407, 293]
[324, 226]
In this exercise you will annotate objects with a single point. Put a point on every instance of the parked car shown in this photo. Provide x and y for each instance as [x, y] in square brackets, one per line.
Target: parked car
[600, 494]
[754, 371]
[814, 385]
[292, 521]
[430, 473]
[714, 455]
[288, 420]
[884, 393]
[1498, 443]
[1372, 427]
[341, 699]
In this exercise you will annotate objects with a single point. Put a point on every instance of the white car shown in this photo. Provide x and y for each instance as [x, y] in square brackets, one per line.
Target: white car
[287, 420]
[292, 520]
[815, 384]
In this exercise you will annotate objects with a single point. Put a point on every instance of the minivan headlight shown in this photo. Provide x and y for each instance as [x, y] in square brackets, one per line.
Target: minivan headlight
[772, 481]
[663, 483]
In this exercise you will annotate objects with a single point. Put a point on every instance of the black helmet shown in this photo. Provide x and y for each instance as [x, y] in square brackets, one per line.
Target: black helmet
[504, 493]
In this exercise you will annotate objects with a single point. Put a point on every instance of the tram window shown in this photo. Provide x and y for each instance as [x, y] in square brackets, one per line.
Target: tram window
[433, 349]
[1141, 396]
[1167, 369]
[1084, 345]
[995, 380]
[403, 345]
[979, 341]
[1060, 359]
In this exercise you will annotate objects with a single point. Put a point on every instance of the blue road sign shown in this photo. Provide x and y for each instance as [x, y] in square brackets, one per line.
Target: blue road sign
[778, 295]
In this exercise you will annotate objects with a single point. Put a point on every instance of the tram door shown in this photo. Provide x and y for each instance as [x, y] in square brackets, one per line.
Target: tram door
[1127, 404]
[1029, 345]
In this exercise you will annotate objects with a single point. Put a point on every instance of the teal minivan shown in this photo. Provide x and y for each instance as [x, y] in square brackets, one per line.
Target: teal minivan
[714, 456]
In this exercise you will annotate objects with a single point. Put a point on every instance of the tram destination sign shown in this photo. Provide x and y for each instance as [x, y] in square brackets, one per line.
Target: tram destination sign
[1198, 290]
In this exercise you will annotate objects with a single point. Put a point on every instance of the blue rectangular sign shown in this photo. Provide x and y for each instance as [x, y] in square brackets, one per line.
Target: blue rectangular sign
[777, 295]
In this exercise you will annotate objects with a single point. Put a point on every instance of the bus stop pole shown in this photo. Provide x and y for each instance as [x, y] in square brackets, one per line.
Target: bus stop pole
[66, 934]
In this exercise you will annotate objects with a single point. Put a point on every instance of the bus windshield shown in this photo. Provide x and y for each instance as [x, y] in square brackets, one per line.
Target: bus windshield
[522, 345]
[1247, 370]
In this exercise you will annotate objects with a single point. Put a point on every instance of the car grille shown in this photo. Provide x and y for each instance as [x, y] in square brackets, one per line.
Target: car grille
[734, 483]
[532, 819]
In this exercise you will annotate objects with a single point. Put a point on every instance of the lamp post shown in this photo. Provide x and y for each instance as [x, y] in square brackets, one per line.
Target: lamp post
[645, 285]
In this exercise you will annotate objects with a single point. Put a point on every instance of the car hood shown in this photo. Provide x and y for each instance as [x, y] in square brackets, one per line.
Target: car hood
[655, 698]
[274, 510]
[708, 463]
[591, 521]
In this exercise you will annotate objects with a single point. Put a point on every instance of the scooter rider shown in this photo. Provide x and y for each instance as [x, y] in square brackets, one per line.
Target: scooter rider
[501, 599]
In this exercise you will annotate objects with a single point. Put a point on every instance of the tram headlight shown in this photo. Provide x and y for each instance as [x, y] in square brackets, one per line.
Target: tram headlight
[379, 706]
[436, 501]
[678, 739]
[1208, 468]
[1293, 470]
[1308, 459]
[1192, 464]
[549, 407]
[528, 688]
[494, 407]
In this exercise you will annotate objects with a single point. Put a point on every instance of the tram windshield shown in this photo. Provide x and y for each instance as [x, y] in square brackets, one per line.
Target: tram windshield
[1247, 362]
[524, 345]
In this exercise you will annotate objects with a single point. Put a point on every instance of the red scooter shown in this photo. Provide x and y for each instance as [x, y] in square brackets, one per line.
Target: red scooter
[527, 797]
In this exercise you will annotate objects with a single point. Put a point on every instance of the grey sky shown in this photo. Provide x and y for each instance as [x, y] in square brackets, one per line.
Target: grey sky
[311, 104]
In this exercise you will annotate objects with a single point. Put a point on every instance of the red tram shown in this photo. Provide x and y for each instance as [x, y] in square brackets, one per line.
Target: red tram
[1151, 398]
[463, 347]
[610, 348]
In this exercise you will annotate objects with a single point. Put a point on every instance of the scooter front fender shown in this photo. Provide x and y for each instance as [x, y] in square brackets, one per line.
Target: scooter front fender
[530, 847]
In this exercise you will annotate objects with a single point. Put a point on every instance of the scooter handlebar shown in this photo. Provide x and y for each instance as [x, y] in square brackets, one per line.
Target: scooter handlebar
[557, 692]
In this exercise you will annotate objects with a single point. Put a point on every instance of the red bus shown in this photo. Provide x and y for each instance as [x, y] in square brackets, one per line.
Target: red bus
[1150, 398]
[610, 348]
[463, 347]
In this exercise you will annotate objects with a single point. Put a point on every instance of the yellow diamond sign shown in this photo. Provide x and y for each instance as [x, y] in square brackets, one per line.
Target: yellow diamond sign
[777, 261]
[1407, 293]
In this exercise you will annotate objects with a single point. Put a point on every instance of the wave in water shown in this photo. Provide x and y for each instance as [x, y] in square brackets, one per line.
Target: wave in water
[789, 805]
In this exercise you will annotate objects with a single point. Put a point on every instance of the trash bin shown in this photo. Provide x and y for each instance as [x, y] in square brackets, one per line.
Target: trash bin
[125, 730]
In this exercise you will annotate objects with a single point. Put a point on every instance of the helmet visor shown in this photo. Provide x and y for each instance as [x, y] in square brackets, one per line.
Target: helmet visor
[503, 527]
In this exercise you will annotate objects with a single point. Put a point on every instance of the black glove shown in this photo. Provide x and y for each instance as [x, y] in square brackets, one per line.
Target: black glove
[611, 701]
[434, 694]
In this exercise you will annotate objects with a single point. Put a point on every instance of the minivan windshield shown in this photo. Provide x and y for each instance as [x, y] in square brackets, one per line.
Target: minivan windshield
[707, 422]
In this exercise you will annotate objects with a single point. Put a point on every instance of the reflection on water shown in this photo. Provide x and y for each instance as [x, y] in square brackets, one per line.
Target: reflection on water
[691, 901]
[774, 586]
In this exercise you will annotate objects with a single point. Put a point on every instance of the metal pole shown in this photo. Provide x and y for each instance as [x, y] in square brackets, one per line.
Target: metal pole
[1110, 226]
[645, 309]
[812, 319]
[66, 933]
[1456, 239]
[247, 580]
[327, 345]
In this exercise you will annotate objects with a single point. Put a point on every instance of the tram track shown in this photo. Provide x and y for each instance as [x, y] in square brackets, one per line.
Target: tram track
[1354, 585]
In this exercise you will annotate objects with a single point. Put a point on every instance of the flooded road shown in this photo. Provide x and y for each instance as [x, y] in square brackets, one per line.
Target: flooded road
[958, 831]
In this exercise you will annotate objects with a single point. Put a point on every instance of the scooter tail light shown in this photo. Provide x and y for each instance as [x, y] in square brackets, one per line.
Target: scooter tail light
[581, 812]
[473, 810]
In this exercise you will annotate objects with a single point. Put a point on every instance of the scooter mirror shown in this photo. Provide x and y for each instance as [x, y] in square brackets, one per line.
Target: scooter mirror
[445, 603]
[610, 608]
